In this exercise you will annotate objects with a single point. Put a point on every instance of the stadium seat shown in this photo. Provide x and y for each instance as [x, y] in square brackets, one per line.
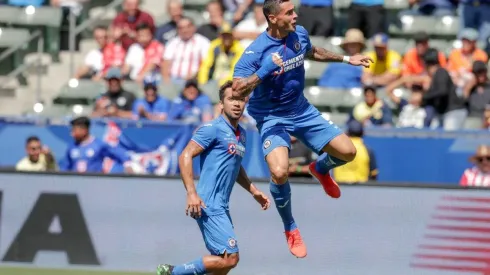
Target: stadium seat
[396, 4]
[9, 14]
[447, 26]
[338, 118]
[334, 98]
[10, 37]
[48, 18]
[314, 70]
[212, 90]
[196, 16]
[413, 24]
[318, 41]
[170, 91]
[333, 44]
[195, 4]
[85, 93]
[133, 87]
[341, 4]
[54, 110]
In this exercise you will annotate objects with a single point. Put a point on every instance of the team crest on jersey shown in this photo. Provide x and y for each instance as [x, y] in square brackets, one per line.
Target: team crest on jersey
[267, 143]
[232, 243]
[297, 46]
[232, 148]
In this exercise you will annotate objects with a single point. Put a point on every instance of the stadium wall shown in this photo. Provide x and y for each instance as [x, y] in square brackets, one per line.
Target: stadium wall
[133, 224]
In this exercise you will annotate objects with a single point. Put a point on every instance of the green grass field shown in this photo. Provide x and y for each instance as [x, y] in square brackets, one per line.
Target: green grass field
[39, 271]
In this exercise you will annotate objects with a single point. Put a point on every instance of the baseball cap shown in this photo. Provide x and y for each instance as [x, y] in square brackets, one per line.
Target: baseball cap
[479, 66]
[421, 37]
[113, 73]
[380, 40]
[355, 128]
[225, 29]
[469, 34]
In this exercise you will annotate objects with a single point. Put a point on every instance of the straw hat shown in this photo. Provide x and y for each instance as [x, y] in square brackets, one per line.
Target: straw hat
[483, 151]
[353, 36]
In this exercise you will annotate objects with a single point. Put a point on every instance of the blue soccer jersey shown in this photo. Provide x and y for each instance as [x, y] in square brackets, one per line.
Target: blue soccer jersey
[224, 148]
[88, 157]
[282, 92]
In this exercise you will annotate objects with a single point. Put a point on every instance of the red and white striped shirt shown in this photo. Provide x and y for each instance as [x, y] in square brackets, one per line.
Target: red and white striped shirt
[475, 177]
[186, 56]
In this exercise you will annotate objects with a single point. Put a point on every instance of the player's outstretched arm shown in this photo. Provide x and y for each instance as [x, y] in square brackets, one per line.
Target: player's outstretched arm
[242, 87]
[322, 55]
[194, 203]
[246, 183]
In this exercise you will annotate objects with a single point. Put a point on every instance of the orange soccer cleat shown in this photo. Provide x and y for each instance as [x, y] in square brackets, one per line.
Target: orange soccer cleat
[295, 243]
[329, 185]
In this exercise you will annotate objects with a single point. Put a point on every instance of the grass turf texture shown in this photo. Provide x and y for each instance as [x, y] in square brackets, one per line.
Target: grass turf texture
[40, 271]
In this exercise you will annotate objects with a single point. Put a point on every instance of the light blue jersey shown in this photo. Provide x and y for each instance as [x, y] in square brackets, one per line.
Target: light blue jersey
[281, 93]
[224, 148]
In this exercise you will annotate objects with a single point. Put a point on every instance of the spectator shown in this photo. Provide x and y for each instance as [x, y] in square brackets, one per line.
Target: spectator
[192, 105]
[24, 3]
[116, 102]
[38, 158]
[344, 76]
[317, 17]
[477, 95]
[299, 159]
[87, 153]
[247, 30]
[125, 23]
[372, 111]
[430, 7]
[486, 117]
[367, 15]
[412, 61]
[99, 61]
[153, 106]
[239, 8]
[478, 175]
[364, 167]
[221, 58]
[461, 60]
[411, 113]
[441, 93]
[143, 58]
[386, 67]
[216, 21]
[168, 30]
[475, 14]
[184, 53]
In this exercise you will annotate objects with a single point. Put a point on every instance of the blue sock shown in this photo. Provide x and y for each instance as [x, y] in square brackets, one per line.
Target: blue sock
[193, 268]
[282, 197]
[325, 163]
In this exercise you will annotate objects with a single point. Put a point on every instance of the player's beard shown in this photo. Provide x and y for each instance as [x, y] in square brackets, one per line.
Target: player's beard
[234, 116]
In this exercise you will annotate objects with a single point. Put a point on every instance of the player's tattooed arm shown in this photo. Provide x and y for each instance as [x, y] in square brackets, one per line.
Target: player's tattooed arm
[322, 55]
[242, 87]
[185, 164]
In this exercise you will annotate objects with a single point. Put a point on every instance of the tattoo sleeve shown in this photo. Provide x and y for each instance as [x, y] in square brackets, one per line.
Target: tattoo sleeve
[322, 55]
[244, 86]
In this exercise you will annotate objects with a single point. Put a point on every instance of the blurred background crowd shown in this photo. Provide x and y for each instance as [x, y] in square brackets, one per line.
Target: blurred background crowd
[163, 61]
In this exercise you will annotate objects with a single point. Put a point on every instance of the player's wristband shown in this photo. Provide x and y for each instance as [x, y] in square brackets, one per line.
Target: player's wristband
[346, 59]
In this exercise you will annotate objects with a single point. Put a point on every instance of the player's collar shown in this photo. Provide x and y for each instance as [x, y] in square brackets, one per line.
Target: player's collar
[228, 123]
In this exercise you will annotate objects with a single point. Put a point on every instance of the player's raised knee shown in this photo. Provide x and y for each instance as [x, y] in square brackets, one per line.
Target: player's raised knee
[232, 260]
[350, 154]
[279, 174]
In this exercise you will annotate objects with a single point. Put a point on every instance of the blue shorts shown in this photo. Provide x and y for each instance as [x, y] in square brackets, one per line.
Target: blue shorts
[308, 126]
[218, 234]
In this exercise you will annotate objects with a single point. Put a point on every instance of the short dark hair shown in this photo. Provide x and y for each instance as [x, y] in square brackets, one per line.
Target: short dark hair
[417, 88]
[143, 26]
[272, 7]
[222, 89]
[100, 27]
[188, 19]
[82, 121]
[31, 139]
[369, 89]
[431, 57]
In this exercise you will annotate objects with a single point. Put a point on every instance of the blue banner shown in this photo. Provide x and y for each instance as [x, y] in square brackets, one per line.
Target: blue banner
[402, 155]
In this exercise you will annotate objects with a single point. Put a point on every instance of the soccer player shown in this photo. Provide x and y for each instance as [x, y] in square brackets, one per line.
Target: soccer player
[272, 67]
[87, 153]
[221, 146]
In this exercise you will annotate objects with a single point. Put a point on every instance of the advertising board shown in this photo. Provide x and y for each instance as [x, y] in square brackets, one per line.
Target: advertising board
[133, 224]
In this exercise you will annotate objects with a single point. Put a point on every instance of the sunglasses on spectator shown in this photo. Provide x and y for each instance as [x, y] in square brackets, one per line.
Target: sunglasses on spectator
[481, 159]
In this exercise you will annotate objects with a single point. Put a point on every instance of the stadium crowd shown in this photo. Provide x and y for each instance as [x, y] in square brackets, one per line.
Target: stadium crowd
[450, 91]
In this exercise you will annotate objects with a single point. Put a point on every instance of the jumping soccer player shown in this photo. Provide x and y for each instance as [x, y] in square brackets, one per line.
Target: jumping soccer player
[221, 144]
[272, 67]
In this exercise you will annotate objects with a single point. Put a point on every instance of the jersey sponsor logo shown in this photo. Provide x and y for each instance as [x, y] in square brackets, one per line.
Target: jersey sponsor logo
[297, 46]
[291, 64]
[267, 143]
[232, 243]
[236, 149]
